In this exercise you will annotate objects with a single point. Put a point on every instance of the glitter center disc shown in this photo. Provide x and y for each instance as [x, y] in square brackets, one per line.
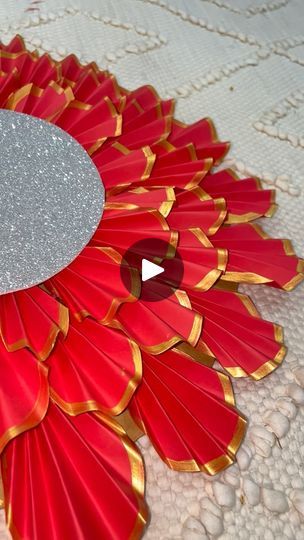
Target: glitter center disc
[51, 200]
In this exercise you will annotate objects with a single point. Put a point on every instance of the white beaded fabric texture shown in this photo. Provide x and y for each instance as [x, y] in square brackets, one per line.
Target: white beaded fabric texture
[242, 63]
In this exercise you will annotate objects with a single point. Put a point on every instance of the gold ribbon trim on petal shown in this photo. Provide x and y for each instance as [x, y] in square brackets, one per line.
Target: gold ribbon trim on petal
[215, 465]
[62, 326]
[36, 414]
[75, 408]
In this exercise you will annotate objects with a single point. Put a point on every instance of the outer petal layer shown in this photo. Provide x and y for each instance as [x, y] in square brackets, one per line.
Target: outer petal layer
[92, 284]
[95, 368]
[241, 341]
[245, 199]
[254, 257]
[186, 409]
[32, 318]
[158, 325]
[71, 477]
[24, 393]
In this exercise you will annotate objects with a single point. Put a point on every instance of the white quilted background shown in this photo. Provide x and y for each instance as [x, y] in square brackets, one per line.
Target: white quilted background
[242, 63]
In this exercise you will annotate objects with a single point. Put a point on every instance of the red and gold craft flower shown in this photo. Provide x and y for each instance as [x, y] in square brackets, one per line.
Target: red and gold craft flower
[85, 365]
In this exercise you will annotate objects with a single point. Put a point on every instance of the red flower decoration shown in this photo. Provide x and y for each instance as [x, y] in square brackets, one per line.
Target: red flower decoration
[80, 348]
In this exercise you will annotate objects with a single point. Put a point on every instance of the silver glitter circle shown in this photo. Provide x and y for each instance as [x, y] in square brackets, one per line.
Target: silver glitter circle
[51, 200]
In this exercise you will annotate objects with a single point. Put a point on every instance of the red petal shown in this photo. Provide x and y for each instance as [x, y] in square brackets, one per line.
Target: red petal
[147, 134]
[186, 409]
[85, 364]
[123, 228]
[24, 393]
[90, 124]
[194, 208]
[202, 263]
[33, 319]
[158, 325]
[15, 45]
[162, 199]
[73, 478]
[240, 340]
[145, 97]
[123, 169]
[256, 258]
[203, 135]
[245, 199]
[8, 85]
[92, 284]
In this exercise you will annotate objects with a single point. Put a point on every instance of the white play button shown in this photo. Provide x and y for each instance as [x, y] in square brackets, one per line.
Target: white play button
[149, 270]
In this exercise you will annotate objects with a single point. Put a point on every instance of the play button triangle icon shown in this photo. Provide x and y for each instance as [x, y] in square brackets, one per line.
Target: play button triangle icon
[149, 270]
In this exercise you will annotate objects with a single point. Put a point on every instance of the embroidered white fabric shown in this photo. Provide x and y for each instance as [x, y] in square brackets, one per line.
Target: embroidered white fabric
[242, 63]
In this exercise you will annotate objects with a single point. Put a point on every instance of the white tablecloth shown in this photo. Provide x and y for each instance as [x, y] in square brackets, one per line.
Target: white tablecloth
[242, 63]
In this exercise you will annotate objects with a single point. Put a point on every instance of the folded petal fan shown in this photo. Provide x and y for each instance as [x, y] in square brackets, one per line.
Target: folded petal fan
[159, 324]
[84, 366]
[185, 408]
[245, 200]
[233, 331]
[24, 393]
[254, 257]
[66, 476]
[32, 319]
[70, 474]
[92, 284]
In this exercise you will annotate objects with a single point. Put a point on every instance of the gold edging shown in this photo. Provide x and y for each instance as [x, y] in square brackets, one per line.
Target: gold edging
[248, 303]
[37, 413]
[245, 277]
[195, 353]
[132, 429]
[137, 473]
[150, 157]
[209, 279]
[263, 370]
[296, 280]
[220, 206]
[62, 326]
[199, 175]
[215, 465]
[227, 388]
[75, 408]
[250, 216]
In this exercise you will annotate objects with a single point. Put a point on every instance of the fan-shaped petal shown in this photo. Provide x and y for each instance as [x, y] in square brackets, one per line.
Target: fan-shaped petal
[32, 318]
[24, 393]
[122, 227]
[194, 208]
[161, 199]
[203, 135]
[158, 325]
[94, 368]
[187, 411]
[245, 199]
[92, 284]
[71, 477]
[256, 258]
[241, 341]
[43, 103]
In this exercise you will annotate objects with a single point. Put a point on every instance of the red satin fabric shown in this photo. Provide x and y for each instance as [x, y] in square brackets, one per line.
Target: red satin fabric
[245, 200]
[254, 258]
